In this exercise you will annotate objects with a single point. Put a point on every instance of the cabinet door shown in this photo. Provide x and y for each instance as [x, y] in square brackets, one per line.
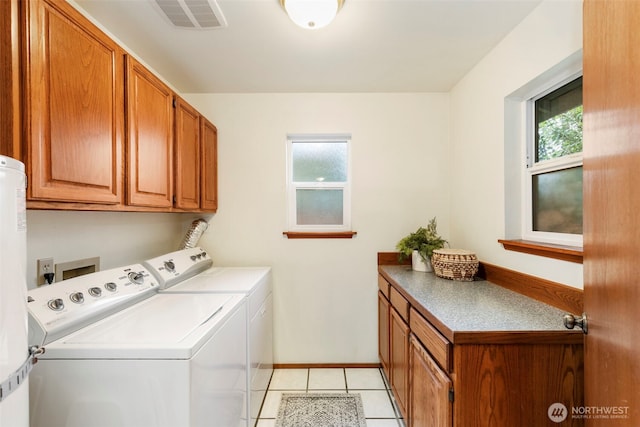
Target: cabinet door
[187, 158]
[209, 166]
[399, 334]
[429, 390]
[10, 114]
[150, 138]
[74, 95]
[383, 333]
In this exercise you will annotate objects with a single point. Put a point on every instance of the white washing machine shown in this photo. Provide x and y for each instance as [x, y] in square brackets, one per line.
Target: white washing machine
[255, 282]
[118, 354]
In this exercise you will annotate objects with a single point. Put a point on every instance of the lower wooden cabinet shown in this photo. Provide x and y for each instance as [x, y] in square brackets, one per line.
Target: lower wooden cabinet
[486, 378]
[399, 350]
[430, 390]
[383, 333]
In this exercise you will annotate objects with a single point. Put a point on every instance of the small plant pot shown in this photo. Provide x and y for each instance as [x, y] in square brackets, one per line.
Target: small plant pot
[419, 264]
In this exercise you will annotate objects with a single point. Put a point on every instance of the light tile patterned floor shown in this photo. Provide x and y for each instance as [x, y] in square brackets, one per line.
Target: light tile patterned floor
[379, 408]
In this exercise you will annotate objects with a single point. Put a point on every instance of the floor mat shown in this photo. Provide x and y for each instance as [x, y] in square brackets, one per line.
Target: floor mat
[321, 410]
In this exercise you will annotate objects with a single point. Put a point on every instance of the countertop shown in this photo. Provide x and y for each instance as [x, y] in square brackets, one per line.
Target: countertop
[479, 311]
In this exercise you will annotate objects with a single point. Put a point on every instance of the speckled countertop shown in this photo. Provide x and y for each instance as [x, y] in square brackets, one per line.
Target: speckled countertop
[465, 311]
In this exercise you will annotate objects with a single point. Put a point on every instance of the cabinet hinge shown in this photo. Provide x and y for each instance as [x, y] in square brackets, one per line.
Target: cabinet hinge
[175, 104]
[450, 395]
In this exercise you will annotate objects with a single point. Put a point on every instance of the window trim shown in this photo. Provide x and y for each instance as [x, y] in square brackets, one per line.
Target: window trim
[532, 168]
[318, 231]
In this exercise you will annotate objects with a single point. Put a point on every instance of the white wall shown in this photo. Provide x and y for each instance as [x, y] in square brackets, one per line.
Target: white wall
[118, 238]
[549, 35]
[325, 290]
[415, 156]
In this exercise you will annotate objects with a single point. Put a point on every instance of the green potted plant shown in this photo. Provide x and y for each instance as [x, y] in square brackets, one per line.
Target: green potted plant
[420, 246]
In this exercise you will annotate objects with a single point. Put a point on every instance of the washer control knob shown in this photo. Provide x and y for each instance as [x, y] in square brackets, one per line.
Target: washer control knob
[95, 291]
[56, 304]
[110, 286]
[170, 266]
[136, 278]
[77, 297]
[193, 258]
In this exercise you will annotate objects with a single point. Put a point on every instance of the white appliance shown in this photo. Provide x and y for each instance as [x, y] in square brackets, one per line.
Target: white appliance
[118, 354]
[255, 282]
[15, 360]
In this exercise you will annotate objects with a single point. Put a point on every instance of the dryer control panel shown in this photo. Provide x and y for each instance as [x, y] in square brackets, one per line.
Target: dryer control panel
[64, 307]
[174, 267]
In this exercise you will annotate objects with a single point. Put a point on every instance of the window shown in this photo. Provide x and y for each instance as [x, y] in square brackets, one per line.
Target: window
[553, 175]
[318, 180]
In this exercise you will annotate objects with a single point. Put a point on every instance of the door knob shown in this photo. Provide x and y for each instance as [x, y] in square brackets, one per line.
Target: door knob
[571, 321]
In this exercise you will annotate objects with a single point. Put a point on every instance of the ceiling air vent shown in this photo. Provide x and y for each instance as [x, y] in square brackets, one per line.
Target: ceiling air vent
[193, 13]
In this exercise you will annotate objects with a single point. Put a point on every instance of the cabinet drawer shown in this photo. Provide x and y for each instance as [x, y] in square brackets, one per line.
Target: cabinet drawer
[435, 343]
[399, 303]
[383, 285]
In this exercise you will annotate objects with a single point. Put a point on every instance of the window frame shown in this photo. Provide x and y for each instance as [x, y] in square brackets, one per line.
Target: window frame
[293, 186]
[531, 167]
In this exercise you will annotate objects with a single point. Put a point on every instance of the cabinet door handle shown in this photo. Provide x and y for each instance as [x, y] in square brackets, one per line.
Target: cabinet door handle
[571, 321]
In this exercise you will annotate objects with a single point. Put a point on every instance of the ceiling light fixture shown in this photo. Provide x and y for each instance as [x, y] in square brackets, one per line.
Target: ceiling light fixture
[312, 14]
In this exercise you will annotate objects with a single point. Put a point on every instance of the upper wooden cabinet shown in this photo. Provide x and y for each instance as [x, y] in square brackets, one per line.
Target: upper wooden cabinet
[208, 166]
[187, 145]
[10, 119]
[66, 120]
[149, 144]
[196, 160]
[74, 101]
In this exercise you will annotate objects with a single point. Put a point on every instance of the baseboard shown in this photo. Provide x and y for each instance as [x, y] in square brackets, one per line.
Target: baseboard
[324, 365]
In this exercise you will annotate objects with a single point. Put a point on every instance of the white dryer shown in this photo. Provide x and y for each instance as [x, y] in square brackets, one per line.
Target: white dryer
[161, 360]
[255, 282]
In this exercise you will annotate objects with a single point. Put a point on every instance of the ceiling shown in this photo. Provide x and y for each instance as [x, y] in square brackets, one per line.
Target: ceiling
[372, 46]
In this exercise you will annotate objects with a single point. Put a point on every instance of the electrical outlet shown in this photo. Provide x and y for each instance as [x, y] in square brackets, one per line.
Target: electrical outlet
[45, 266]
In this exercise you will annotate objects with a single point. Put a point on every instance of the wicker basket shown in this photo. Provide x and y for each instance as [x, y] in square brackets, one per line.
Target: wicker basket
[454, 264]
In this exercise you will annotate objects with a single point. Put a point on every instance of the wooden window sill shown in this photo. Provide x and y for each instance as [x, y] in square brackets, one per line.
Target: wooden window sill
[561, 252]
[319, 235]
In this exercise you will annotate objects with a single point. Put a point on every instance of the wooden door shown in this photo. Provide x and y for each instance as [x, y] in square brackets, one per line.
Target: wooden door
[429, 388]
[612, 209]
[187, 156]
[209, 166]
[399, 336]
[149, 138]
[74, 94]
[383, 333]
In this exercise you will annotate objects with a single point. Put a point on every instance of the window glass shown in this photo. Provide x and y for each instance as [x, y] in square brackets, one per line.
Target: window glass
[318, 183]
[555, 171]
[319, 207]
[319, 161]
[558, 117]
[557, 201]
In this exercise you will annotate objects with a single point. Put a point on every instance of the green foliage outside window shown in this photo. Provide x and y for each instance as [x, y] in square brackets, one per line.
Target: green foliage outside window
[560, 135]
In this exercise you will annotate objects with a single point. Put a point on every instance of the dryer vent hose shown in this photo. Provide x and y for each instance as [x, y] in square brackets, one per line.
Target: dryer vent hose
[193, 235]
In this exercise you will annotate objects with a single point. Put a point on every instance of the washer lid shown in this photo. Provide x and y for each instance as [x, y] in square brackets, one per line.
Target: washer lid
[223, 279]
[163, 326]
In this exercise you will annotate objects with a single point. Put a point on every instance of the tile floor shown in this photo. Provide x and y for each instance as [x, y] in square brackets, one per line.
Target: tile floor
[378, 405]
